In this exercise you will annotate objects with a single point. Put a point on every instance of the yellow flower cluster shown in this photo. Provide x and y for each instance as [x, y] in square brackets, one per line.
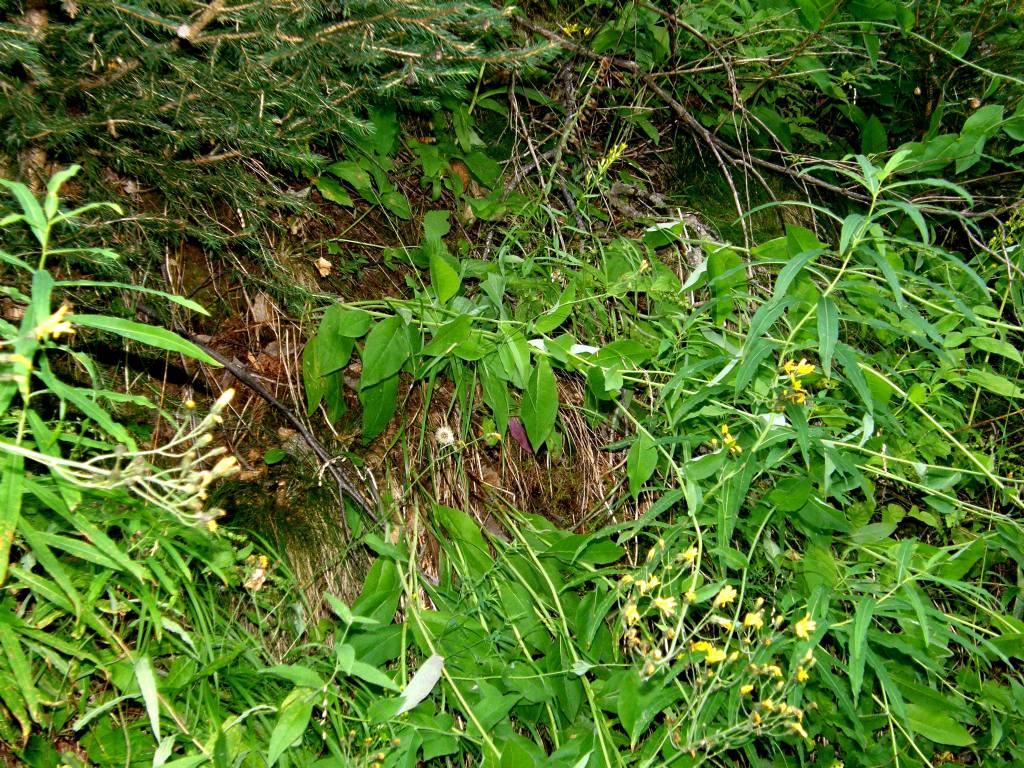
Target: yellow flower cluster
[796, 371]
[728, 440]
[55, 325]
[716, 646]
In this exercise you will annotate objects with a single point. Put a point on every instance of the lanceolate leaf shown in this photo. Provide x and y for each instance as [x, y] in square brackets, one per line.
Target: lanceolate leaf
[828, 333]
[150, 335]
[291, 724]
[540, 404]
[387, 348]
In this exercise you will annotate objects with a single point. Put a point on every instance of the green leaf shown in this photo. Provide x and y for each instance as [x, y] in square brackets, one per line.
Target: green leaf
[443, 276]
[993, 382]
[540, 404]
[53, 188]
[372, 675]
[181, 301]
[273, 456]
[344, 321]
[386, 350]
[10, 505]
[301, 676]
[333, 191]
[21, 669]
[348, 171]
[150, 335]
[858, 643]
[379, 403]
[31, 210]
[147, 685]
[828, 333]
[397, 203]
[937, 726]
[295, 712]
[555, 316]
[997, 347]
[641, 462]
[449, 336]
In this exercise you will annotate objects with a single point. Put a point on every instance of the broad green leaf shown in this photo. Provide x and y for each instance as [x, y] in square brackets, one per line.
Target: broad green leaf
[150, 335]
[997, 347]
[386, 350]
[937, 726]
[344, 321]
[540, 404]
[348, 171]
[641, 461]
[292, 720]
[495, 392]
[993, 382]
[301, 676]
[372, 675]
[449, 336]
[333, 191]
[379, 402]
[828, 333]
[147, 685]
[312, 376]
[397, 203]
[443, 276]
[555, 316]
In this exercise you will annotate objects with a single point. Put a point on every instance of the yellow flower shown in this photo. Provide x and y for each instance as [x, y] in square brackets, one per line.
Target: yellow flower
[803, 368]
[715, 656]
[700, 646]
[55, 324]
[755, 718]
[631, 614]
[746, 690]
[722, 622]
[804, 627]
[754, 620]
[690, 596]
[689, 555]
[626, 579]
[647, 585]
[797, 729]
[801, 675]
[667, 605]
[570, 29]
[725, 596]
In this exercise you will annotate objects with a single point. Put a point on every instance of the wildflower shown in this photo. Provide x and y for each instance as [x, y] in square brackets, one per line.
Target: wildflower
[667, 605]
[755, 718]
[726, 595]
[444, 436]
[715, 656]
[801, 675]
[796, 370]
[631, 614]
[772, 669]
[690, 596]
[570, 29]
[722, 622]
[729, 441]
[649, 669]
[626, 579]
[753, 620]
[797, 729]
[55, 324]
[646, 585]
[746, 690]
[804, 627]
[689, 555]
[700, 646]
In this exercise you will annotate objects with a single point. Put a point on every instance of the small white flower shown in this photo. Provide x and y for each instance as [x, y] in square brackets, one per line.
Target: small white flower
[444, 436]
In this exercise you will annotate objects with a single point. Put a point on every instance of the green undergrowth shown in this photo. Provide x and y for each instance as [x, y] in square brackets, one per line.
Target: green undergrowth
[813, 554]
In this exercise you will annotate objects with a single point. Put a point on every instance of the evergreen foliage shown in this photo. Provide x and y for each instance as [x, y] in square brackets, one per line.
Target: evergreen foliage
[212, 110]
